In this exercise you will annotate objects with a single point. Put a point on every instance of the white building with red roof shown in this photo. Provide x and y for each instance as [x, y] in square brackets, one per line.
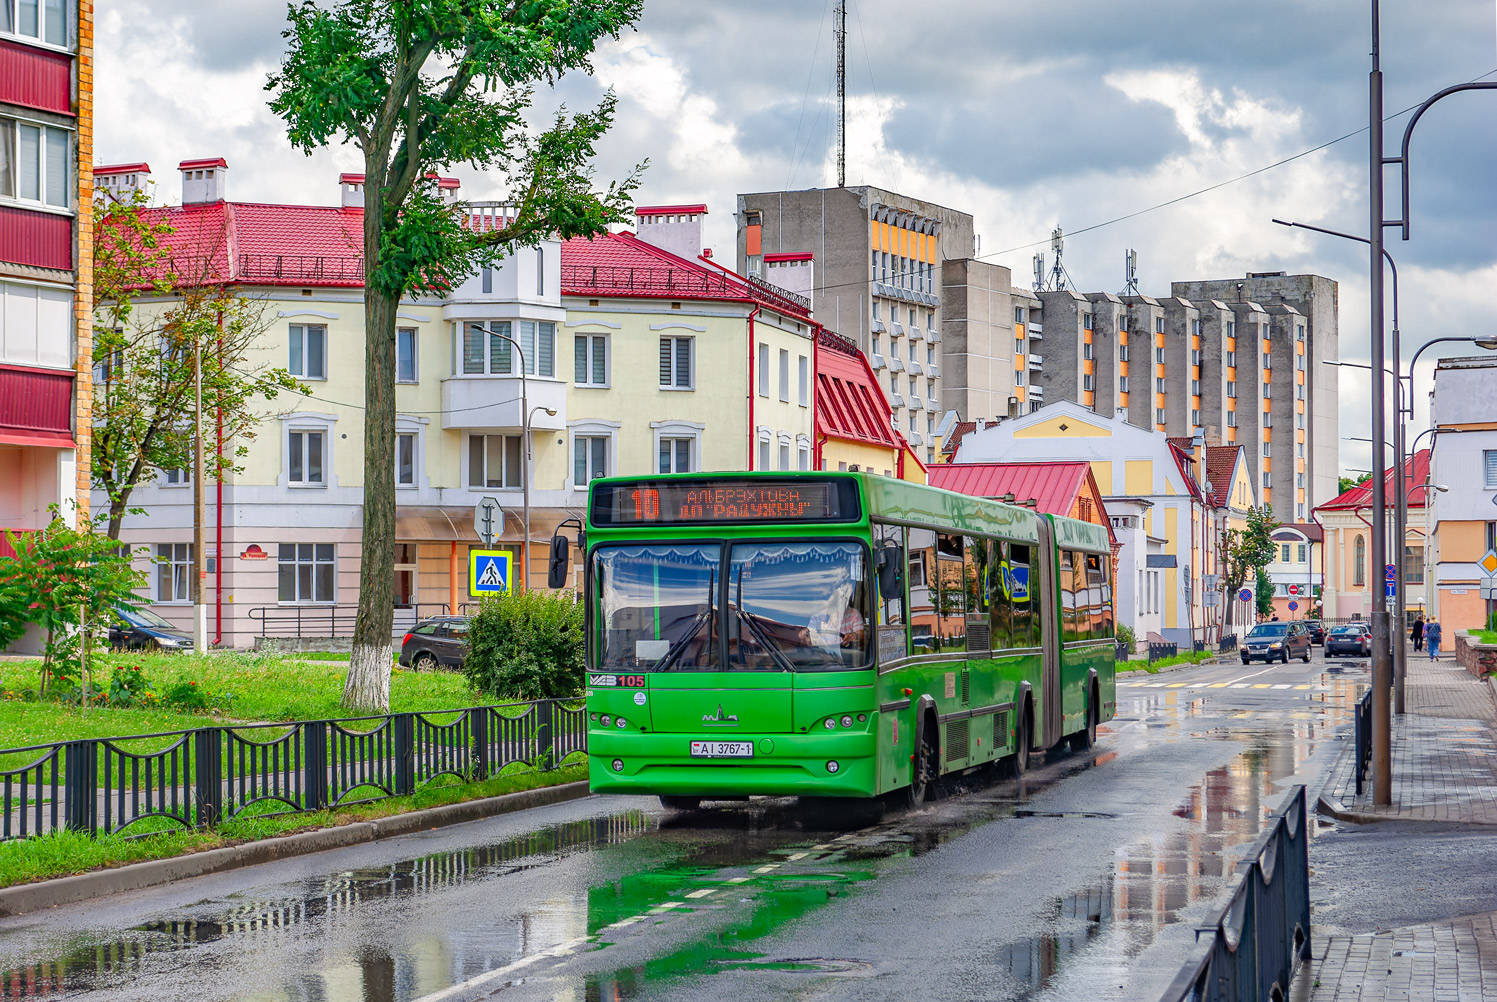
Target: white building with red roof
[640, 355]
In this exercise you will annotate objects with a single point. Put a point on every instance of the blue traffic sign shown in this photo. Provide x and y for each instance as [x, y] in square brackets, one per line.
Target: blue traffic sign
[1245, 595]
[1390, 589]
[1294, 607]
[489, 572]
[1390, 573]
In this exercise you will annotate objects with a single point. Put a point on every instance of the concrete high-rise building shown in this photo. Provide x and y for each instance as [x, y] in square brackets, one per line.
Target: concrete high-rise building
[1296, 331]
[46, 264]
[880, 279]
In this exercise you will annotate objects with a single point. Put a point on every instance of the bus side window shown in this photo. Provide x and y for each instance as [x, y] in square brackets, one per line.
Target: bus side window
[1025, 595]
[1000, 586]
[1096, 593]
[952, 603]
[888, 545]
[923, 582]
[1067, 596]
[976, 571]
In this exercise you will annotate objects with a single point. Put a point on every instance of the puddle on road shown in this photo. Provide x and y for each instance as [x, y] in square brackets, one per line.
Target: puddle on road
[741, 863]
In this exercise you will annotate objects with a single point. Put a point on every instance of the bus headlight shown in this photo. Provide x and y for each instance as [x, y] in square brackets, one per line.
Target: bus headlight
[832, 766]
[830, 723]
[607, 720]
[619, 723]
[846, 720]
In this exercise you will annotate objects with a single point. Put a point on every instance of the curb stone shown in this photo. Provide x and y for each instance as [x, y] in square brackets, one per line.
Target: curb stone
[24, 898]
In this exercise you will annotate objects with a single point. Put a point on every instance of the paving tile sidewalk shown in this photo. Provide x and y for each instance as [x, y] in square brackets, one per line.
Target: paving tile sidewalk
[1444, 754]
[1444, 770]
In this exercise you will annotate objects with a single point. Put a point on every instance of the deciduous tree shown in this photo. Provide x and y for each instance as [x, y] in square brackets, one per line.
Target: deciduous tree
[1247, 551]
[417, 86]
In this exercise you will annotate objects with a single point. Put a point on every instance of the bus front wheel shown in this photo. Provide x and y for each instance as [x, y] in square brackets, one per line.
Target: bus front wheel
[1083, 740]
[1022, 742]
[681, 803]
[923, 770]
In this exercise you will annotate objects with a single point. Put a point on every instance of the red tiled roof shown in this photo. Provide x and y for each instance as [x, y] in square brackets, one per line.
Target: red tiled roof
[621, 264]
[265, 244]
[1186, 464]
[1221, 464]
[205, 162]
[850, 403]
[954, 438]
[807, 256]
[660, 210]
[1360, 496]
[1053, 486]
[109, 170]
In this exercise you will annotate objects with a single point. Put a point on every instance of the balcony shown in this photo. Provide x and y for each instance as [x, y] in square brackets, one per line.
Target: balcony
[917, 403]
[877, 361]
[896, 364]
[933, 336]
[916, 368]
[932, 405]
[1035, 331]
[477, 402]
[878, 326]
[888, 291]
[1036, 362]
[916, 332]
[932, 370]
[914, 438]
[895, 399]
[897, 328]
[1036, 390]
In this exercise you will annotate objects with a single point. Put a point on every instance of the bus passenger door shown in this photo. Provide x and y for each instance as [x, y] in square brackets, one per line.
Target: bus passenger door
[1048, 722]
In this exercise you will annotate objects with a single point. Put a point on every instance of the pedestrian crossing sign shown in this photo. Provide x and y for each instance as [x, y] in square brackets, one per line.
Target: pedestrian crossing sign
[489, 572]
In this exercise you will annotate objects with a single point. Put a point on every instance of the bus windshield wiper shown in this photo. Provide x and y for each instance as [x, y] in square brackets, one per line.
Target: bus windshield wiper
[757, 630]
[695, 627]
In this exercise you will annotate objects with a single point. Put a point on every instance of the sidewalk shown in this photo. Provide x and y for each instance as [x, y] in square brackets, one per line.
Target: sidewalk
[1444, 771]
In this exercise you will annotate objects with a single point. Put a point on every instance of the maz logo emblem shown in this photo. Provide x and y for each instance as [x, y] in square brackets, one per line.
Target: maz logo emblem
[722, 719]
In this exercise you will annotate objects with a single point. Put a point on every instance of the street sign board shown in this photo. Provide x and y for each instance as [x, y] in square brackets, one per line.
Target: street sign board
[1294, 589]
[1390, 573]
[488, 521]
[1211, 598]
[1245, 595]
[489, 572]
[1390, 589]
[1294, 607]
[1488, 563]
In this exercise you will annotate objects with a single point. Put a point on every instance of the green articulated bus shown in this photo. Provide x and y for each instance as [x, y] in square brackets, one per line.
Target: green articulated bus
[833, 635]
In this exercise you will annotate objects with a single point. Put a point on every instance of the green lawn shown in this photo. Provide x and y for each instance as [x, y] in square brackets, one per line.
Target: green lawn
[1484, 636]
[267, 687]
[26, 860]
[1190, 657]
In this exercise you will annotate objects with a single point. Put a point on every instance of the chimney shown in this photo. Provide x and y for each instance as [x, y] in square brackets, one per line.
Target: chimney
[791, 272]
[673, 228]
[351, 187]
[119, 182]
[447, 189]
[204, 180]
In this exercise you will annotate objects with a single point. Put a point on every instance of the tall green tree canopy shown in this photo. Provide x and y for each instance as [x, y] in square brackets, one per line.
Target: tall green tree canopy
[1247, 551]
[418, 86]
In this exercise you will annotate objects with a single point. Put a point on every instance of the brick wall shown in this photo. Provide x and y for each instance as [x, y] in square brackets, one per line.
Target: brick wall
[1478, 659]
[84, 257]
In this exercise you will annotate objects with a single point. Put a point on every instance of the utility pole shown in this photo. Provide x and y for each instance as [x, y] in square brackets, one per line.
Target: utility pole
[199, 560]
[1382, 667]
[839, 27]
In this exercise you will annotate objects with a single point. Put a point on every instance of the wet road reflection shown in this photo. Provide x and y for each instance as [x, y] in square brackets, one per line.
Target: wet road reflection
[679, 897]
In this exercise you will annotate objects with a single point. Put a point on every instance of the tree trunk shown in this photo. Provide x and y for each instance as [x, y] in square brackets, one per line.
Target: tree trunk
[118, 507]
[367, 688]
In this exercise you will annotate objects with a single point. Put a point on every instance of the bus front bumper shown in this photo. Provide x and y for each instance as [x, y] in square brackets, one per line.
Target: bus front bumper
[807, 765]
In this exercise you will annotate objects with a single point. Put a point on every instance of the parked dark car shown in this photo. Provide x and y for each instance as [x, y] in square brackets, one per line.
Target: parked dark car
[436, 643]
[1317, 630]
[143, 630]
[1276, 642]
[1354, 639]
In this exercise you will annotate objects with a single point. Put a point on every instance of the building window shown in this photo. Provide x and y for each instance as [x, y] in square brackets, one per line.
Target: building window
[540, 271]
[1266, 447]
[784, 376]
[803, 370]
[538, 342]
[179, 477]
[488, 280]
[590, 359]
[763, 369]
[1159, 384]
[1086, 381]
[1284, 553]
[1267, 482]
[405, 575]
[1359, 561]
[1018, 377]
[46, 22]
[1195, 327]
[1232, 359]
[494, 461]
[803, 456]
[1299, 552]
[174, 572]
[1267, 360]
[405, 355]
[405, 459]
[1123, 384]
[784, 455]
[589, 458]
[1195, 387]
[36, 158]
[1018, 314]
[1489, 467]
[1267, 391]
[875, 311]
[1299, 332]
[1086, 321]
[675, 455]
[1231, 419]
[1413, 565]
[675, 363]
[307, 457]
[1122, 353]
[1086, 350]
[1159, 415]
[1159, 325]
[308, 351]
[1231, 389]
[876, 349]
[1195, 419]
[306, 572]
[764, 452]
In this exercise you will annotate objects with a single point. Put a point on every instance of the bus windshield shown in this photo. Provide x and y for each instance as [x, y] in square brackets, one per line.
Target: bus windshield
[790, 606]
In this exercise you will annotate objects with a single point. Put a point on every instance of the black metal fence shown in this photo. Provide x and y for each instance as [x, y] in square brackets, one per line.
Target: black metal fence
[1227, 643]
[1160, 651]
[1363, 731]
[1262, 934]
[295, 621]
[209, 774]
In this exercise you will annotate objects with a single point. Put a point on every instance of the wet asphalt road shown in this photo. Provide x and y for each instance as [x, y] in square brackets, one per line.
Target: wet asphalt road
[1083, 882]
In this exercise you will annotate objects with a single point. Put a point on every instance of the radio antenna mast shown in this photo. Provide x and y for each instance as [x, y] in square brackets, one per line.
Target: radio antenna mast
[1039, 273]
[839, 28]
[1130, 272]
[1057, 271]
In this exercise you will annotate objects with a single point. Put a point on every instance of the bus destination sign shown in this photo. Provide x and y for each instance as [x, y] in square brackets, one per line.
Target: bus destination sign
[724, 502]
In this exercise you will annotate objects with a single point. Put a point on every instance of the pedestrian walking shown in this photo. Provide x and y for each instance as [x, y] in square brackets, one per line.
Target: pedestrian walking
[1417, 633]
[1432, 638]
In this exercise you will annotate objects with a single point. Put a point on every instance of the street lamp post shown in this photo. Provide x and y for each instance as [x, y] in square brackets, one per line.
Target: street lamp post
[1400, 489]
[525, 483]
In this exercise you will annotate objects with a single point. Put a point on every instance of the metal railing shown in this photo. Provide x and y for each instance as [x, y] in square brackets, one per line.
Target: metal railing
[1362, 728]
[1158, 652]
[1259, 938]
[291, 621]
[193, 778]
[1227, 643]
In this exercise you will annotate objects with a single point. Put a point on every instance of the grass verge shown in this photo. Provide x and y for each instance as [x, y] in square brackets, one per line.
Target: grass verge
[1190, 657]
[65, 853]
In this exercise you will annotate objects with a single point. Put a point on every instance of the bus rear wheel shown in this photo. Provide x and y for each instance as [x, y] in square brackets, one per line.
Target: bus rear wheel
[681, 803]
[1083, 740]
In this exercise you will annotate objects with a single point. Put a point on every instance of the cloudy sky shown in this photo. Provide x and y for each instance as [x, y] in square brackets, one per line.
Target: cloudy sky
[1075, 113]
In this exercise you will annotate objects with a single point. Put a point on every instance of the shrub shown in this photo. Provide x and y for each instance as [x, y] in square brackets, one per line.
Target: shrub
[1125, 635]
[1492, 621]
[526, 646]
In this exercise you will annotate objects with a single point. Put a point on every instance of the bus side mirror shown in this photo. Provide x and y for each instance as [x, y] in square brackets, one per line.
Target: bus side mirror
[890, 572]
[556, 571]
